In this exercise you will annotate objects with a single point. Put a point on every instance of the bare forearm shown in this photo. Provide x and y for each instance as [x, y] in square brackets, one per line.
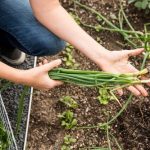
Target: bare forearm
[9, 73]
[53, 16]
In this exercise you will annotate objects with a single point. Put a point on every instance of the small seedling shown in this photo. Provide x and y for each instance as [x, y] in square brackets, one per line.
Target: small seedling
[70, 102]
[104, 96]
[141, 4]
[65, 147]
[68, 140]
[67, 119]
[68, 58]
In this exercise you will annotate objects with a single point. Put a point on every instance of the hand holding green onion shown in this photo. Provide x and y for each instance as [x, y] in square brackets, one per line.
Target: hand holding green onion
[117, 62]
[119, 73]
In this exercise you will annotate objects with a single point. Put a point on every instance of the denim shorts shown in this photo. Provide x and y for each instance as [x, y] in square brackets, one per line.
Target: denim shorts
[19, 28]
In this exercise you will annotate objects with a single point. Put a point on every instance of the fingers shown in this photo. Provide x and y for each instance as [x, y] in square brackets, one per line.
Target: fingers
[134, 52]
[48, 66]
[45, 61]
[57, 83]
[141, 89]
[137, 89]
[134, 90]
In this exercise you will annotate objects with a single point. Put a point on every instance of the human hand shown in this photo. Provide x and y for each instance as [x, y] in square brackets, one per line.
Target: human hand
[38, 76]
[117, 62]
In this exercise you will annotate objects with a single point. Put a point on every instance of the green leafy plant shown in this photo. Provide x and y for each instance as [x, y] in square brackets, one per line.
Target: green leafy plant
[141, 4]
[67, 119]
[65, 147]
[70, 102]
[68, 140]
[4, 141]
[104, 96]
[68, 57]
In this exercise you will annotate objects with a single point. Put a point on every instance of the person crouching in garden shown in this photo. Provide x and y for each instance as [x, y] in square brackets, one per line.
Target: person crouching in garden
[39, 28]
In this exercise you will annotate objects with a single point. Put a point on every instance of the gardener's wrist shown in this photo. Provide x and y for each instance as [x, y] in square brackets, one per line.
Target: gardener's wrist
[23, 77]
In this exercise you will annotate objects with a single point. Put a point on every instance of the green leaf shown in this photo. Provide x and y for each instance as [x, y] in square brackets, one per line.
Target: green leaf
[67, 119]
[64, 147]
[144, 4]
[104, 96]
[70, 102]
[69, 140]
[74, 122]
[138, 5]
[149, 5]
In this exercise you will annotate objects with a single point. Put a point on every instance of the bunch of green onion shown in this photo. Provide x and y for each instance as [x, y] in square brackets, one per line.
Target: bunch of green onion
[89, 78]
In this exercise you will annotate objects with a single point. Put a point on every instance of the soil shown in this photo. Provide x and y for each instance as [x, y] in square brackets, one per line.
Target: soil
[131, 129]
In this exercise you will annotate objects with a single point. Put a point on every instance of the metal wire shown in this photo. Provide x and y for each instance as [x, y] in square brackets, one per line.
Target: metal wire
[7, 125]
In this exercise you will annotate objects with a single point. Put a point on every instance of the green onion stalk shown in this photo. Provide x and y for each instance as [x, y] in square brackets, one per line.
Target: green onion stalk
[87, 78]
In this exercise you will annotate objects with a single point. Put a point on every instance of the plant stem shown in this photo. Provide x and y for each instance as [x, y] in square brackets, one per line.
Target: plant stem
[121, 111]
[144, 60]
[119, 147]
[108, 139]
[127, 21]
[110, 29]
[107, 21]
[111, 120]
[21, 108]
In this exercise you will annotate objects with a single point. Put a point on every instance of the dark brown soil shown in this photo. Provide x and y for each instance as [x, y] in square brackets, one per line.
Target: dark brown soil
[131, 129]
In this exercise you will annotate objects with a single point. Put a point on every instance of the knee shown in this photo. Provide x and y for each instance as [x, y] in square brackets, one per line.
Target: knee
[46, 47]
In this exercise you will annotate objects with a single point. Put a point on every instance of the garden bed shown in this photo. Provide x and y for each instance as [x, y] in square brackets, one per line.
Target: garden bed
[11, 97]
[131, 129]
